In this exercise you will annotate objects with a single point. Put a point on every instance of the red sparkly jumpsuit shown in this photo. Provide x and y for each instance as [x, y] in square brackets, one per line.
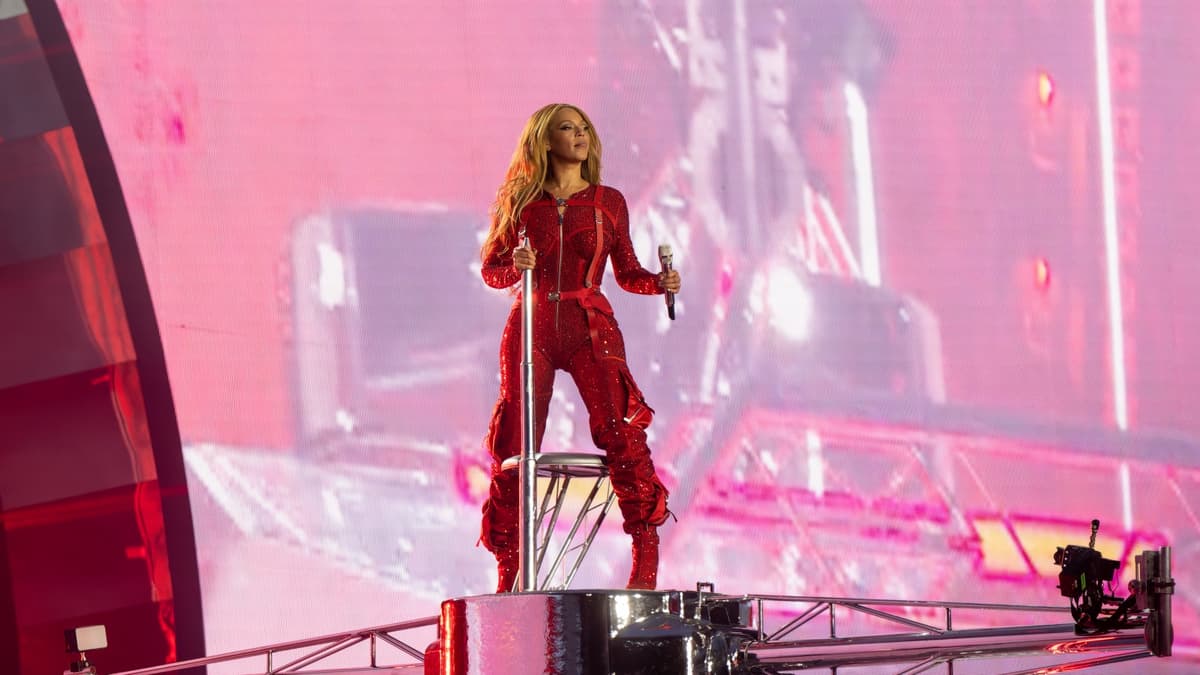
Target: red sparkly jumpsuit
[573, 330]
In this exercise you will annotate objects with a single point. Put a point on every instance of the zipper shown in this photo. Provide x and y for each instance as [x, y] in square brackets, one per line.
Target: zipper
[558, 285]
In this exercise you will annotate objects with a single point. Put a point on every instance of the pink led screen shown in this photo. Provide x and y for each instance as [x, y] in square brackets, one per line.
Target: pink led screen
[940, 305]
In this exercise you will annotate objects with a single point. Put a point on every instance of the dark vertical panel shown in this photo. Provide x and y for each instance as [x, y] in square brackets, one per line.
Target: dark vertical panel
[24, 69]
[10, 655]
[81, 561]
[37, 207]
[103, 531]
[162, 426]
[38, 302]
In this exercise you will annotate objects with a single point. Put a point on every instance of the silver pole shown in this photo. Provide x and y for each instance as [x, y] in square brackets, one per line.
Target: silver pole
[527, 470]
[1164, 630]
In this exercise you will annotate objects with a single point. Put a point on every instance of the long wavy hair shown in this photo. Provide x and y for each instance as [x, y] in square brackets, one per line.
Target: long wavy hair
[528, 171]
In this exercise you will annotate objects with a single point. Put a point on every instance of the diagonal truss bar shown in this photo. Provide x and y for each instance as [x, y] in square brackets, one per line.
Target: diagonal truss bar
[402, 646]
[935, 604]
[1086, 663]
[323, 644]
[895, 618]
[931, 646]
[791, 626]
[322, 653]
[922, 648]
[931, 662]
[894, 640]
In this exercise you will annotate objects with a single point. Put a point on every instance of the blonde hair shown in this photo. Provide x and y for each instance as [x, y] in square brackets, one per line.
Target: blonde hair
[528, 171]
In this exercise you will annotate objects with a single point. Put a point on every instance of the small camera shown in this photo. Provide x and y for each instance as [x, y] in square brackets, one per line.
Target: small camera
[1083, 578]
[1084, 569]
[1084, 573]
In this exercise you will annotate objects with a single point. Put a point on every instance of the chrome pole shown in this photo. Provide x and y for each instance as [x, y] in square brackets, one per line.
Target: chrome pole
[527, 470]
[1163, 628]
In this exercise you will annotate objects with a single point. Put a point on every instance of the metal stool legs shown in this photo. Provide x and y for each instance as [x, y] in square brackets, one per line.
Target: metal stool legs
[562, 468]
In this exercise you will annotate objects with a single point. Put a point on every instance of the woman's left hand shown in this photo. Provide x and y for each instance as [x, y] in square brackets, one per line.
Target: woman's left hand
[669, 281]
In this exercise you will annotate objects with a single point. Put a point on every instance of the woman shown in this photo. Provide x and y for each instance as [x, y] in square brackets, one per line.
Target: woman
[552, 216]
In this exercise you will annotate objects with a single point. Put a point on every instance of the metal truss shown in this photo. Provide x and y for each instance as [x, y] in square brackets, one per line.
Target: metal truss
[918, 644]
[318, 649]
[926, 644]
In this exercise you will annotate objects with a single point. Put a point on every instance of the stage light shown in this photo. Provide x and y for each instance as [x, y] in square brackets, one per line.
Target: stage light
[82, 640]
[789, 303]
[1045, 88]
[1041, 274]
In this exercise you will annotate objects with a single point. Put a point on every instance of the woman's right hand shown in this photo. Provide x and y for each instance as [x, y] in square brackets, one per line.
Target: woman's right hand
[524, 259]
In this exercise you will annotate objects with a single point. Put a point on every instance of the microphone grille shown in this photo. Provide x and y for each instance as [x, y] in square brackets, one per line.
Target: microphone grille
[664, 250]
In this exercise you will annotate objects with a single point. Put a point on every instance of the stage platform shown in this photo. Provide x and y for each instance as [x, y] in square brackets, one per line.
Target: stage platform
[673, 632]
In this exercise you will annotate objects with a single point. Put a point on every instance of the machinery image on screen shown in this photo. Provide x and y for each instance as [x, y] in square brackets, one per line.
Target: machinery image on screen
[939, 315]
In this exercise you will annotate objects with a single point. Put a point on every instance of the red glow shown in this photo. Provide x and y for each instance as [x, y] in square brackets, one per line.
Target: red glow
[1045, 88]
[1041, 274]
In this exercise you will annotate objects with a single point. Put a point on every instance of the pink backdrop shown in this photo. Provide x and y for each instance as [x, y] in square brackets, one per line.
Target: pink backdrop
[285, 162]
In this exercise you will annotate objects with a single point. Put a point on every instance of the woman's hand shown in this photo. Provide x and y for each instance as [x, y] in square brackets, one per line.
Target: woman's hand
[669, 281]
[524, 259]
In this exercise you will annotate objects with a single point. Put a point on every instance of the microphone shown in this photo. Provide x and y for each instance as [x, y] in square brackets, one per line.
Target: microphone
[664, 258]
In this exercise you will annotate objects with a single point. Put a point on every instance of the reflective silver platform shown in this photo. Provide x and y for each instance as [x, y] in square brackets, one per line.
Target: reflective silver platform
[591, 631]
[683, 632]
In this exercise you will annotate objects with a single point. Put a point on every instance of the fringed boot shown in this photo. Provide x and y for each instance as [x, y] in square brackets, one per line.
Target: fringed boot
[508, 563]
[644, 575]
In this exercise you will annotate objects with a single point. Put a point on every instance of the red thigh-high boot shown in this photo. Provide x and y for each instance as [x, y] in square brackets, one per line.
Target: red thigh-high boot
[618, 419]
[500, 512]
[643, 502]
[507, 566]
[644, 573]
[499, 535]
[651, 511]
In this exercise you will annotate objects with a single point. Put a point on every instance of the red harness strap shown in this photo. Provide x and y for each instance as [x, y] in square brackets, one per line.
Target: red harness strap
[591, 273]
[591, 278]
[594, 305]
[589, 297]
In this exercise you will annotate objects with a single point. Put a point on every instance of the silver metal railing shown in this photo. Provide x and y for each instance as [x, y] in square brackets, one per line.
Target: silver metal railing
[325, 646]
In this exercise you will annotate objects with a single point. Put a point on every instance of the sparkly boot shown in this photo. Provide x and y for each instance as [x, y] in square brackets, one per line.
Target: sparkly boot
[508, 563]
[644, 575]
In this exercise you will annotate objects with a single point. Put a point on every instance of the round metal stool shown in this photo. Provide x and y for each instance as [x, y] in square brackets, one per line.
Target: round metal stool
[562, 468]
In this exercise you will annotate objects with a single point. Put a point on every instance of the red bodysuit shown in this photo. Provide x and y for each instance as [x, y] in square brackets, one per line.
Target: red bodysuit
[573, 330]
